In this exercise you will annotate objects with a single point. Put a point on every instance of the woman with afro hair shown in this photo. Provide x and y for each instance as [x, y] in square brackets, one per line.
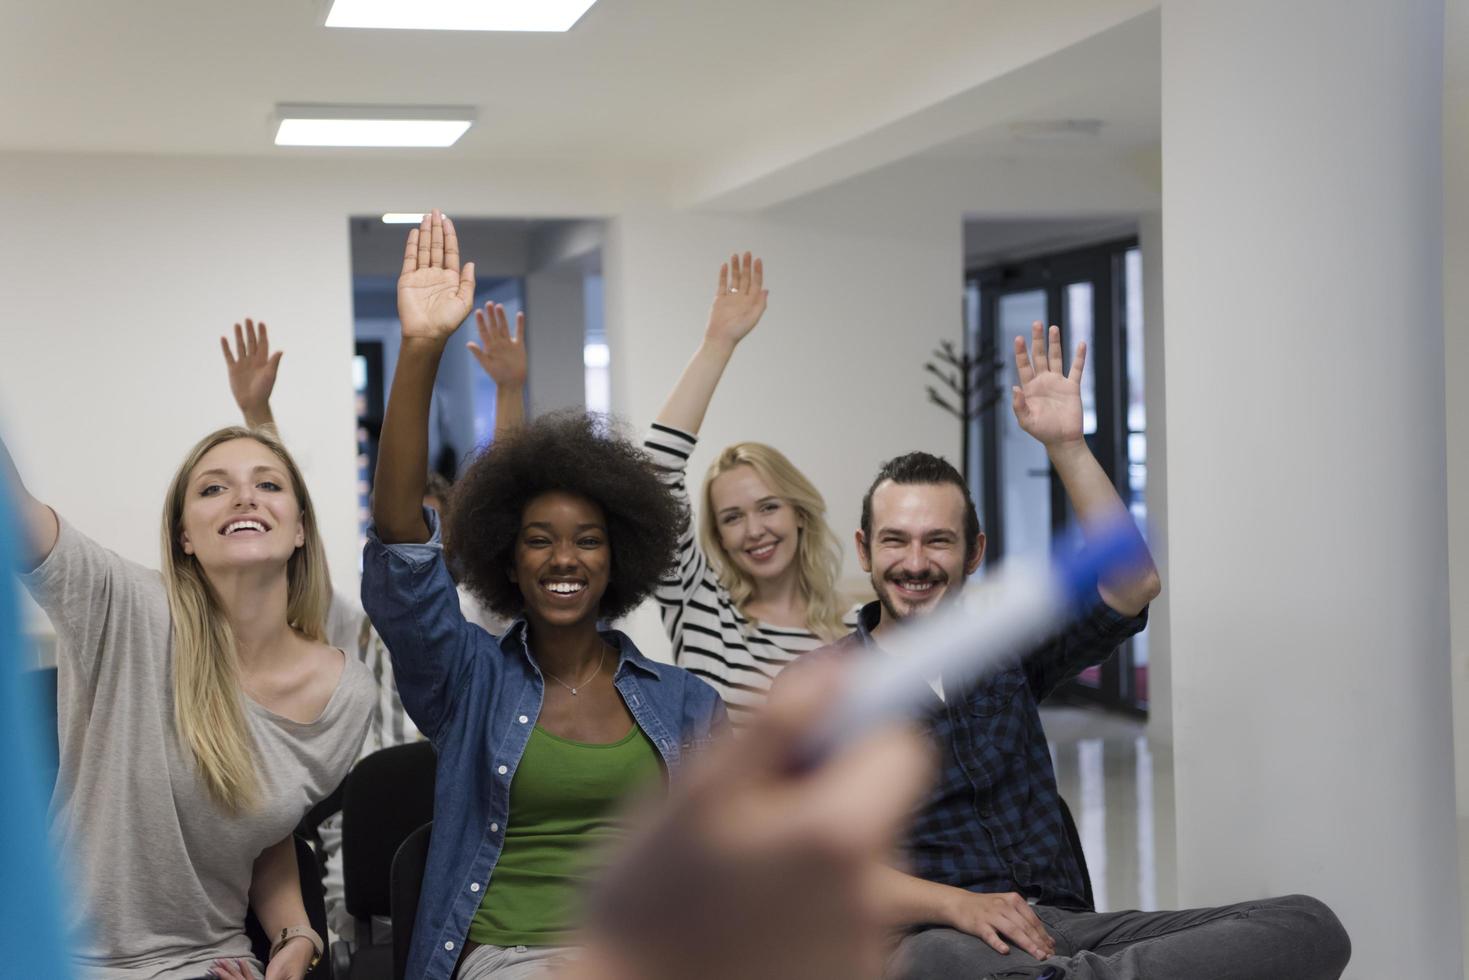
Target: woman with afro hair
[543, 732]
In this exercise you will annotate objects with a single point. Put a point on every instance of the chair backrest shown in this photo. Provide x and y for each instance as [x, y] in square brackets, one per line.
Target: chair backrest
[314, 897]
[309, 829]
[408, 865]
[386, 797]
[1074, 837]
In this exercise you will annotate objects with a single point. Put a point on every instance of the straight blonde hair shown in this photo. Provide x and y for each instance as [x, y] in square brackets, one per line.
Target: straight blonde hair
[207, 699]
[818, 556]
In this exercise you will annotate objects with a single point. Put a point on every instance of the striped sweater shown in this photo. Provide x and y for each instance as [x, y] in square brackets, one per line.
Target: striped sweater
[711, 638]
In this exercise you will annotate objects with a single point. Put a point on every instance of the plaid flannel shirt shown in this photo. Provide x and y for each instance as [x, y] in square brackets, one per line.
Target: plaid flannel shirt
[992, 822]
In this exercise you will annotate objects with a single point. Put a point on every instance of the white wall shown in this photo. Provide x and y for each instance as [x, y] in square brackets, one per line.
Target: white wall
[865, 279]
[1160, 668]
[854, 309]
[833, 376]
[1305, 465]
[1456, 355]
[135, 265]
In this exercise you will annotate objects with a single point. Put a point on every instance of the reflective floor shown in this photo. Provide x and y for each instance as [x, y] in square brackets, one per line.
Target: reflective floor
[1120, 790]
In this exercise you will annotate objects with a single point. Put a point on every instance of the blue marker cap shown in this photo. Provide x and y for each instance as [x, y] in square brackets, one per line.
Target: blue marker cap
[1105, 550]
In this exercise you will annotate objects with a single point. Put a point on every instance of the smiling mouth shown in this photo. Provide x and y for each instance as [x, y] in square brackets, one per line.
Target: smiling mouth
[763, 552]
[244, 526]
[919, 588]
[564, 590]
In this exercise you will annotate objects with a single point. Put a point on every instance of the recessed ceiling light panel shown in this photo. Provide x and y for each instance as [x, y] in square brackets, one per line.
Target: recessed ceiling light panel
[458, 15]
[402, 218]
[328, 125]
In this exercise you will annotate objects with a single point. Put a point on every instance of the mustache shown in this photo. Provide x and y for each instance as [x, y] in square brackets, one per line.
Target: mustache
[938, 578]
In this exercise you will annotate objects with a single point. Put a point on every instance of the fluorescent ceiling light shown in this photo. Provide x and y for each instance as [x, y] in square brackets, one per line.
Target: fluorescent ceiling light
[368, 132]
[459, 15]
[402, 218]
[323, 125]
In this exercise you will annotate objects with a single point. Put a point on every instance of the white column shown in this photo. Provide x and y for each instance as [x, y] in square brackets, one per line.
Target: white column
[1456, 353]
[1160, 674]
[1302, 196]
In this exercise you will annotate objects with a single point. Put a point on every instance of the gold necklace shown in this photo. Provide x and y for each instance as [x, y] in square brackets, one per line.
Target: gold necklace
[584, 683]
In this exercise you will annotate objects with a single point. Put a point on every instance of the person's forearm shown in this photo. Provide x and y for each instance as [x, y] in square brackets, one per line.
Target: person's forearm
[904, 900]
[684, 410]
[275, 890]
[259, 416]
[509, 409]
[38, 526]
[1096, 501]
[402, 459]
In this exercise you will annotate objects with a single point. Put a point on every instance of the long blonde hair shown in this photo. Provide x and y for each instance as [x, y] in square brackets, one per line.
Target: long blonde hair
[206, 671]
[818, 556]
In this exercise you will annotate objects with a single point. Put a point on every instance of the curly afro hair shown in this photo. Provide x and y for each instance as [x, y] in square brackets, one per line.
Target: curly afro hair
[578, 453]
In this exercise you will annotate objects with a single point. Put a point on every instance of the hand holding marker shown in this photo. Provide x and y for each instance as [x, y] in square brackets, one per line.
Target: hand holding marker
[1010, 611]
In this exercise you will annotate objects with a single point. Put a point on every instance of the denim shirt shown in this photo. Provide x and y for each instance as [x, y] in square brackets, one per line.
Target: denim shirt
[477, 697]
[992, 822]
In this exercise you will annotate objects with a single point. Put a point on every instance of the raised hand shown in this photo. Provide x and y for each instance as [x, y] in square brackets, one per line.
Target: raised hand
[739, 301]
[434, 293]
[499, 352]
[1047, 401]
[252, 370]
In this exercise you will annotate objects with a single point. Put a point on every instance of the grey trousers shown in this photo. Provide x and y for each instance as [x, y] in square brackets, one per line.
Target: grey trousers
[513, 962]
[1295, 937]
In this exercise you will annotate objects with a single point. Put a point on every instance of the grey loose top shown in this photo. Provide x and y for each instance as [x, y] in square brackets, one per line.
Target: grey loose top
[161, 873]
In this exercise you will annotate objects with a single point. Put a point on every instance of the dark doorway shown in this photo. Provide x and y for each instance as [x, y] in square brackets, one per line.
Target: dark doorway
[1094, 294]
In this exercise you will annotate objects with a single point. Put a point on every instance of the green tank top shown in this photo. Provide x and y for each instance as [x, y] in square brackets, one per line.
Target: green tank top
[565, 806]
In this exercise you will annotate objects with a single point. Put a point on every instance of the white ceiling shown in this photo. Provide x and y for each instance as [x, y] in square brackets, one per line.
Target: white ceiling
[639, 86]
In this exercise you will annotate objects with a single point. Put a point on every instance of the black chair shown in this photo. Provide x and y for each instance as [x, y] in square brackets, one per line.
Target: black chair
[310, 825]
[408, 867]
[1074, 838]
[315, 900]
[385, 798]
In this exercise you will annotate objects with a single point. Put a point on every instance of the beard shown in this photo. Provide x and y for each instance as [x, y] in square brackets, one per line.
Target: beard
[899, 607]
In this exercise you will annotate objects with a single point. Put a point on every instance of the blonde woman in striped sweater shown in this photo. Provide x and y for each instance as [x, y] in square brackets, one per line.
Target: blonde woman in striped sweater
[756, 584]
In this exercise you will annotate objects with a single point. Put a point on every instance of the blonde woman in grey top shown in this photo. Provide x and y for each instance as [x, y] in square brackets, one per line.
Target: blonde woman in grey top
[200, 715]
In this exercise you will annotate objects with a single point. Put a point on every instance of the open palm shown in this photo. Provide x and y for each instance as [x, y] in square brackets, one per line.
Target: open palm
[1047, 401]
[252, 367]
[739, 300]
[499, 352]
[434, 293]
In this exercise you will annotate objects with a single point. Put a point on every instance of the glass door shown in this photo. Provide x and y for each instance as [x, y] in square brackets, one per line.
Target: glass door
[1093, 295]
[1025, 492]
